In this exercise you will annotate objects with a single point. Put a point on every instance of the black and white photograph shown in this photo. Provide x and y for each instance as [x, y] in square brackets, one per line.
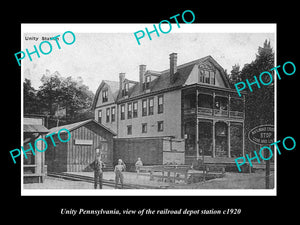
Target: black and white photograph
[161, 115]
[138, 112]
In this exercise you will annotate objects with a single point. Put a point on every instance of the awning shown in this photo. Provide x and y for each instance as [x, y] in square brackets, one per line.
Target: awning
[29, 128]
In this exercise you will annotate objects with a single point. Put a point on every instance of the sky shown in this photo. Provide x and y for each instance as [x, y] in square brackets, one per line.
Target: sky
[102, 56]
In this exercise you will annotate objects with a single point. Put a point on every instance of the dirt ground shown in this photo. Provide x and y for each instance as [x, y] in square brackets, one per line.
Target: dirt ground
[234, 181]
[56, 183]
[229, 181]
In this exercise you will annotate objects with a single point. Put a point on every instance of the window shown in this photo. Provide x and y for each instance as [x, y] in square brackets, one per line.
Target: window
[129, 129]
[100, 116]
[122, 112]
[144, 107]
[151, 106]
[160, 126]
[144, 128]
[160, 104]
[201, 76]
[135, 109]
[147, 82]
[107, 115]
[212, 77]
[206, 76]
[104, 95]
[125, 90]
[129, 110]
[113, 114]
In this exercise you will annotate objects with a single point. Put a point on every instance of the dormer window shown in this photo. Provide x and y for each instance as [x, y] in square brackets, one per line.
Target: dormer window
[206, 75]
[147, 82]
[125, 90]
[104, 95]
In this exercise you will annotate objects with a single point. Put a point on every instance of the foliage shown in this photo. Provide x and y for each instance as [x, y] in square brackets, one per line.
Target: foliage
[260, 102]
[59, 98]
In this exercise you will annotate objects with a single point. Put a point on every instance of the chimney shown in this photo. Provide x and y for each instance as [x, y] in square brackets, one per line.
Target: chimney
[173, 66]
[121, 80]
[142, 70]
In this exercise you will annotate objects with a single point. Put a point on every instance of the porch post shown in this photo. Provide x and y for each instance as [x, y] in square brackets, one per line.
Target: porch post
[244, 114]
[228, 138]
[243, 140]
[197, 125]
[214, 139]
[197, 139]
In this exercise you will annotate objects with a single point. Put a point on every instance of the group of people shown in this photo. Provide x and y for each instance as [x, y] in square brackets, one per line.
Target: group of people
[97, 165]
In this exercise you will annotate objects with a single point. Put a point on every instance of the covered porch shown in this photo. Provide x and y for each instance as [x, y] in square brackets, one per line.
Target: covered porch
[213, 140]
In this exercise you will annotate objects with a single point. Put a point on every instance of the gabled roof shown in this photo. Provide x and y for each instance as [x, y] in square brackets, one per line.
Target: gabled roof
[162, 82]
[183, 72]
[114, 87]
[73, 126]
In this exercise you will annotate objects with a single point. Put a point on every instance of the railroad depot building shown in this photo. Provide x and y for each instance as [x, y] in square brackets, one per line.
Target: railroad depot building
[191, 106]
[76, 154]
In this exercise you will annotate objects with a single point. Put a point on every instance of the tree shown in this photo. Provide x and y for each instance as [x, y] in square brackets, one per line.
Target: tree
[30, 99]
[76, 98]
[260, 102]
[235, 74]
[62, 99]
[49, 92]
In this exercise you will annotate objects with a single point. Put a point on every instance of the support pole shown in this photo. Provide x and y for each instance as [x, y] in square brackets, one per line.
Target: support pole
[267, 170]
[228, 139]
[214, 140]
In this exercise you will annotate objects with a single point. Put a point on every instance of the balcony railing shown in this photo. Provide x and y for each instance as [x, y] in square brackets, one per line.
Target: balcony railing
[220, 112]
[204, 111]
[214, 112]
[236, 114]
[189, 111]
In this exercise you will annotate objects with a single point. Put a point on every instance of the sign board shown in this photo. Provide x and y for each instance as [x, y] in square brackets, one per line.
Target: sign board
[83, 142]
[263, 134]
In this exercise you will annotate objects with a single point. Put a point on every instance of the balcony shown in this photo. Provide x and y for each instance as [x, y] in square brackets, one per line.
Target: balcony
[236, 114]
[214, 112]
[204, 111]
[221, 112]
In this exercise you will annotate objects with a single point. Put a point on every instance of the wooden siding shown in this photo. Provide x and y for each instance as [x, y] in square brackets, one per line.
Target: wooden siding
[71, 157]
[80, 156]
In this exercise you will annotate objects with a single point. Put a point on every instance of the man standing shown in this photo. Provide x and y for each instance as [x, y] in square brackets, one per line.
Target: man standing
[97, 166]
[118, 172]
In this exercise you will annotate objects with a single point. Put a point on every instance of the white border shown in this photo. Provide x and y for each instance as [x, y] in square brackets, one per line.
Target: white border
[131, 28]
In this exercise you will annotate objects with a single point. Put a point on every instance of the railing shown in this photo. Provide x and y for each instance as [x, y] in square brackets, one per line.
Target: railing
[189, 111]
[215, 112]
[204, 111]
[220, 112]
[236, 114]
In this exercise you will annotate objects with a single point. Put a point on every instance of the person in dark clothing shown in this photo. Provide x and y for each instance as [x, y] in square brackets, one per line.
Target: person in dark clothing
[97, 166]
